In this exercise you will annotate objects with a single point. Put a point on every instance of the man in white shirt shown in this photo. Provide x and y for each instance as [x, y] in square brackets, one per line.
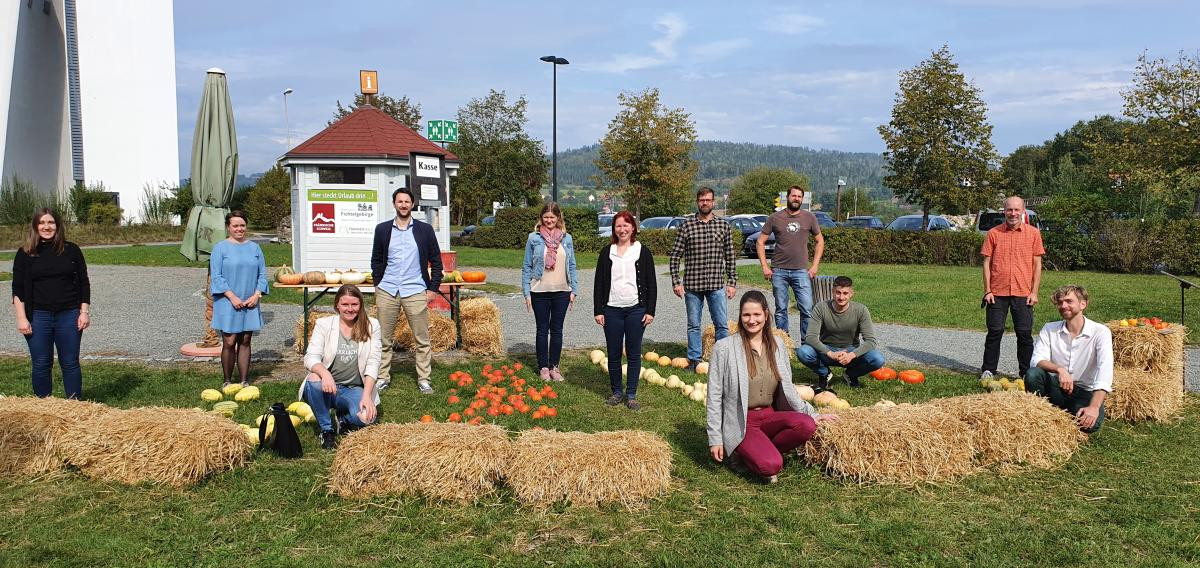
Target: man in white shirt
[1072, 362]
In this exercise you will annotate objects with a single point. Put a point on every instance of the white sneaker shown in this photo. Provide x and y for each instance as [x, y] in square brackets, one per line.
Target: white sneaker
[986, 375]
[424, 387]
[382, 384]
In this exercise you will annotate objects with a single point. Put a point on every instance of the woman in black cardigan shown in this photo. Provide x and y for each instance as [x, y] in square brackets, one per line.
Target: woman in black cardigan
[625, 295]
[51, 298]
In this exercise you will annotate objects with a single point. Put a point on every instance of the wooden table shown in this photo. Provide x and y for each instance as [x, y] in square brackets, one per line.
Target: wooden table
[452, 296]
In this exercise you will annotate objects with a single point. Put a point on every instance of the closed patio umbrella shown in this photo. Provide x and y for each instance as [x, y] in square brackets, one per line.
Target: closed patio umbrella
[214, 172]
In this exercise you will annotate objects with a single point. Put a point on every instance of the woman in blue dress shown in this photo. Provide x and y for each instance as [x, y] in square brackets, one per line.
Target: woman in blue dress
[239, 280]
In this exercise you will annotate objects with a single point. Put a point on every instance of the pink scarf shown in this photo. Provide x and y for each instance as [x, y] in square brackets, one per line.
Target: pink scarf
[552, 238]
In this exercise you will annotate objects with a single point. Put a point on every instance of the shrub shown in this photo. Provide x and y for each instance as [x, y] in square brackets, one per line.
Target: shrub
[270, 200]
[157, 204]
[183, 202]
[105, 214]
[82, 198]
[19, 198]
[864, 246]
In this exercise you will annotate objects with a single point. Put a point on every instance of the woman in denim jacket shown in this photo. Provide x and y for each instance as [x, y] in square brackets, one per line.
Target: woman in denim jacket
[549, 282]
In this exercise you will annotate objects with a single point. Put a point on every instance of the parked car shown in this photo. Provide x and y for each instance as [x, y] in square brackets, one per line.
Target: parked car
[992, 218]
[913, 223]
[750, 244]
[662, 223]
[470, 229]
[745, 224]
[825, 220]
[756, 217]
[604, 221]
[864, 222]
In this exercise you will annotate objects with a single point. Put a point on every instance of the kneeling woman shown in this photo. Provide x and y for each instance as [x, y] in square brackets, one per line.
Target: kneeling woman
[755, 414]
[343, 360]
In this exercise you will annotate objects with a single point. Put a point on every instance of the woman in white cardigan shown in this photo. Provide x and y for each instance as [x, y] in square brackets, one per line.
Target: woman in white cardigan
[755, 414]
[343, 362]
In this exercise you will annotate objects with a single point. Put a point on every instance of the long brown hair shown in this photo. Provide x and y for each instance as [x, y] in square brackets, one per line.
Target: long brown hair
[768, 333]
[551, 207]
[33, 239]
[360, 330]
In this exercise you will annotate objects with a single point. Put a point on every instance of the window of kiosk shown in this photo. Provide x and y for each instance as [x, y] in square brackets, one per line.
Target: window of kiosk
[342, 175]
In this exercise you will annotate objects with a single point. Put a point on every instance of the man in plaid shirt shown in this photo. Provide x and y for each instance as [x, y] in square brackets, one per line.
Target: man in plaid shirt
[705, 244]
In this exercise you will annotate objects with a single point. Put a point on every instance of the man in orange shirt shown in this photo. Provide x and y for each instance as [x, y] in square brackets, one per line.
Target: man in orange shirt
[1012, 272]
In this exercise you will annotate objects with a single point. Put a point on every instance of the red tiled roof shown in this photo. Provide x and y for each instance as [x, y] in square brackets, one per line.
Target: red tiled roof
[367, 133]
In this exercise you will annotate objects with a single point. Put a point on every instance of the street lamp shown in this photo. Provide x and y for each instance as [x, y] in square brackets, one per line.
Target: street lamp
[555, 61]
[286, 124]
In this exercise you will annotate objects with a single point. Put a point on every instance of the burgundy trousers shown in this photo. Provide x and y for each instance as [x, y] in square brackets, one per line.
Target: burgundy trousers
[771, 433]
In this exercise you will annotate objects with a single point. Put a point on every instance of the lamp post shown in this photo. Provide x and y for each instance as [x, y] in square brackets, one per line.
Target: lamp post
[554, 61]
[286, 124]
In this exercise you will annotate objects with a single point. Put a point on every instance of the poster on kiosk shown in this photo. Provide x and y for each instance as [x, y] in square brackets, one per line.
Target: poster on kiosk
[428, 173]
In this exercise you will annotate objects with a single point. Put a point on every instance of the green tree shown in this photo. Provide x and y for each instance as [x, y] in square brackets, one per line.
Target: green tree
[858, 201]
[500, 161]
[645, 158]
[270, 199]
[1163, 152]
[401, 109]
[939, 146]
[756, 190]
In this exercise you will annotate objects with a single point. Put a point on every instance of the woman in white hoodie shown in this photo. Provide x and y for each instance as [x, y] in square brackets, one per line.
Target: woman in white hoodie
[343, 362]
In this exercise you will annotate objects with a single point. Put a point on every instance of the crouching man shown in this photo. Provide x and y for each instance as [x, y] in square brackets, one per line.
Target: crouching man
[1072, 362]
[840, 334]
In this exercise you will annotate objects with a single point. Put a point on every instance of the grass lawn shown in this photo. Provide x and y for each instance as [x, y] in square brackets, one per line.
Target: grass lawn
[1127, 498]
[4, 276]
[948, 296]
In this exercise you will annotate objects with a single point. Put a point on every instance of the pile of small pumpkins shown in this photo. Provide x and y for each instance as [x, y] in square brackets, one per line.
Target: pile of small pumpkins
[469, 276]
[910, 376]
[285, 275]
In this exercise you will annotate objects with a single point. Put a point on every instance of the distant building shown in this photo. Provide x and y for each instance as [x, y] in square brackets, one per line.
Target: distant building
[87, 91]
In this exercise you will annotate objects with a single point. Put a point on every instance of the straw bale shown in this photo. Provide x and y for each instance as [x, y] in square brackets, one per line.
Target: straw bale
[708, 337]
[171, 446]
[453, 462]
[481, 331]
[1142, 347]
[442, 334]
[1015, 430]
[627, 467]
[313, 316]
[31, 431]
[1139, 394]
[903, 445]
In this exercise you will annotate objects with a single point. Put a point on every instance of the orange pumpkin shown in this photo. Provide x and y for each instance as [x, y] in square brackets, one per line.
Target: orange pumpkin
[291, 279]
[912, 377]
[884, 374]
[314, 277]
[474, 276]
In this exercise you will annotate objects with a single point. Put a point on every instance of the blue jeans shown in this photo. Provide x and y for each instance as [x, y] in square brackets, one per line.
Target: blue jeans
[861, 365]
[549, 312]
[624, 325]
[797, 280]
[55, 332]
[717, 310]
[345, 401]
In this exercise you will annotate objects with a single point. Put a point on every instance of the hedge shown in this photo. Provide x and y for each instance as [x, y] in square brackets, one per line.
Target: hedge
[1121, 246]
[513, 225]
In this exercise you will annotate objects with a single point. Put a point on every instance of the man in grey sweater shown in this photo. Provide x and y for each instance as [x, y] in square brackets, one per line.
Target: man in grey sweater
[840, 334]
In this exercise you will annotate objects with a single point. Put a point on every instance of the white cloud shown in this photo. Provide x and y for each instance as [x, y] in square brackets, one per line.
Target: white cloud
[815, 134]
[844, 78]
[672, 27]
[793, 23]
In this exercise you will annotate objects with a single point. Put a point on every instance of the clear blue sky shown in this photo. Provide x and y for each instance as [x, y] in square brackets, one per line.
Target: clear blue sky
[817, 74]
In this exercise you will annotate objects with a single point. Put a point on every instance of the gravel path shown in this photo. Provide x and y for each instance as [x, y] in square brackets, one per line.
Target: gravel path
[147, 313]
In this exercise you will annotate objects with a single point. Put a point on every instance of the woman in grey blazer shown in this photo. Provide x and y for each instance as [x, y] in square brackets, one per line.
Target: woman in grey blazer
[755, 414]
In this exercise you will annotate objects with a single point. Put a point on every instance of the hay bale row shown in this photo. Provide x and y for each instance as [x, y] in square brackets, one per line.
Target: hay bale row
[628, 467]
[1140, 394]
[481, 331]
[32, 429]
[171, 446]
[708, 337]
[1142, 347]
[453, 462]
[944, 440]
[459, 462]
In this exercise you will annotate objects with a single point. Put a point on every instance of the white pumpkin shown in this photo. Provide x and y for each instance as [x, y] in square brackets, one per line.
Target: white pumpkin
[353, 277]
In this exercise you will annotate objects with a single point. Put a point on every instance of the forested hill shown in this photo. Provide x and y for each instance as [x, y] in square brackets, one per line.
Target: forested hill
[723, 162]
